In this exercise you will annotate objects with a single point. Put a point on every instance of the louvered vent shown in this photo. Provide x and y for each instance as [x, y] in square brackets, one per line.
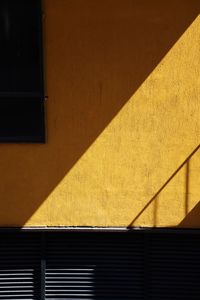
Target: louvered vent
[19, 267]
[100, 266]
[94, 266]
[173, 266]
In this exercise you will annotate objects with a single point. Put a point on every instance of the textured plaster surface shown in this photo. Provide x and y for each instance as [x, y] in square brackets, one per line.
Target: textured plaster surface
[132, 155]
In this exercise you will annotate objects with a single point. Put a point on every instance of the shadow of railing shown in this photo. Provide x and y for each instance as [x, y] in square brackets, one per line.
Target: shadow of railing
[155, 197]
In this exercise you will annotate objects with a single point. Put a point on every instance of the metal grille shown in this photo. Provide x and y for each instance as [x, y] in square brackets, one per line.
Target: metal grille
[85, 266]
[173, 268]
[19, 267]
[102, 266]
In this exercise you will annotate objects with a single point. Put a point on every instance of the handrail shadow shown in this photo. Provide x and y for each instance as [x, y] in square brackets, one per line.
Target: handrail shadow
[186, 162]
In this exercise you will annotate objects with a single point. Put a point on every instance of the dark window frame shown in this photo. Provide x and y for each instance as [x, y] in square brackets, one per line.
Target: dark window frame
[21, 108]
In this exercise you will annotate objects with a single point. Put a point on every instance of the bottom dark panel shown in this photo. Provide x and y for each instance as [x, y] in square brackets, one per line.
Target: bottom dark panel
[19, 267]
[104, 266]
[94, 266]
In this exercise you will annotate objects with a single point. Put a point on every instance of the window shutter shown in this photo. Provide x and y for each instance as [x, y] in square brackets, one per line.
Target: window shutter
[173, 266]
[94, 266]
[103, 266]
[19, 267]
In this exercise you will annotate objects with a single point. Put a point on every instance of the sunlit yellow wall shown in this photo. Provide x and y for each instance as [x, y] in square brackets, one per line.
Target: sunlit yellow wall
[122, 119]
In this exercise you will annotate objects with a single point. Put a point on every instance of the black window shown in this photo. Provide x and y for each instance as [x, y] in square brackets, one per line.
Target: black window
[21, 71]
[102, 266]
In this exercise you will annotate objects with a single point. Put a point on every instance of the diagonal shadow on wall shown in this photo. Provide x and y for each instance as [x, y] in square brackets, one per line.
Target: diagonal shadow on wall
[192, 219]
[97, 54]
[188, 220]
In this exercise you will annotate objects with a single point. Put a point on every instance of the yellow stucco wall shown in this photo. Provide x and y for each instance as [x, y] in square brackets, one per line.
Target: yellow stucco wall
[122, 118]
